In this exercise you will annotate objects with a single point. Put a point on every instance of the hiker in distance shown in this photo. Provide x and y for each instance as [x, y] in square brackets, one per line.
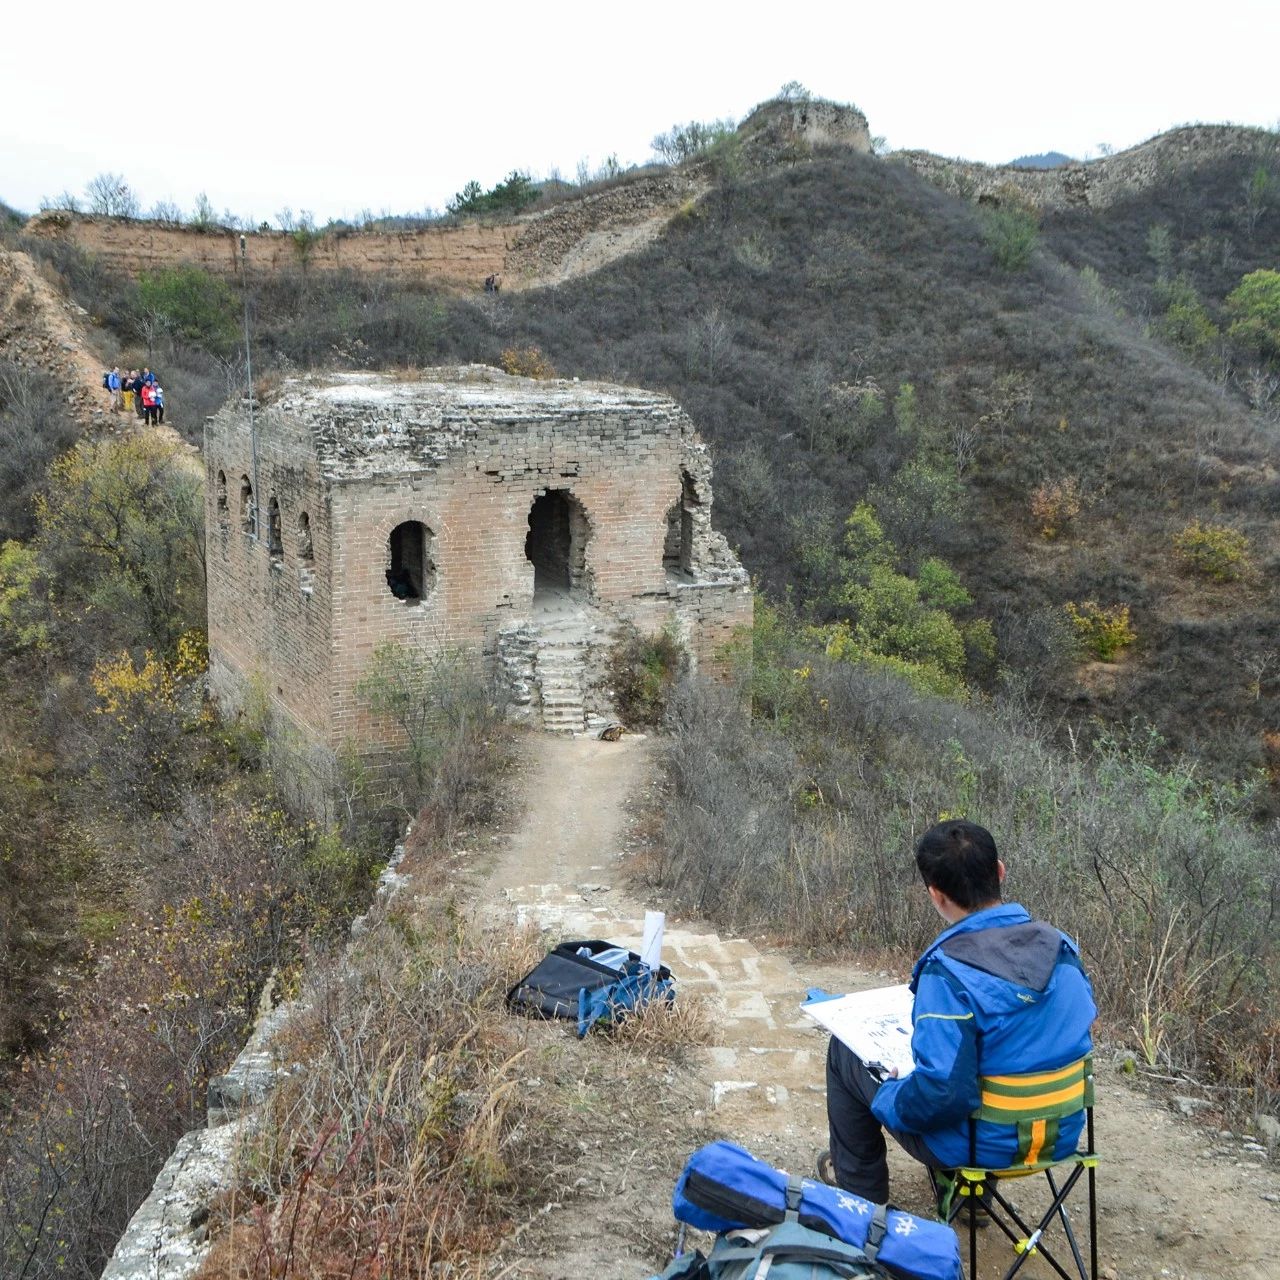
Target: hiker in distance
[997, 993]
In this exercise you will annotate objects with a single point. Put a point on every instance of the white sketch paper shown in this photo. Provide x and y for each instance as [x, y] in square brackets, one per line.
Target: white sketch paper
[875, 1024]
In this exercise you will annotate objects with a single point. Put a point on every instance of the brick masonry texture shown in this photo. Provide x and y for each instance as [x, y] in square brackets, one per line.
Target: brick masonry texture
[466, 452]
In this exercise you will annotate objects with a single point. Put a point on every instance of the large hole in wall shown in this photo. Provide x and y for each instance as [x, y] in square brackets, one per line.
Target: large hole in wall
[556, 544]
[275, 537]
[411, 571]
[677, 548]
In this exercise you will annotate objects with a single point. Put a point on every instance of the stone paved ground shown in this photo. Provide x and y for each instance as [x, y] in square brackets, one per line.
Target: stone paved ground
[1177, 1202]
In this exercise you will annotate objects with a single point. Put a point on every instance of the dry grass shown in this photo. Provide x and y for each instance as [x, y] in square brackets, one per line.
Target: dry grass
[417, 1120]
[399, 1137]
[666, 1032]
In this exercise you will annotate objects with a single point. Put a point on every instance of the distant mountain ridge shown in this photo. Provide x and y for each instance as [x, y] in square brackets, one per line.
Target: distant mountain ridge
[1045, 160]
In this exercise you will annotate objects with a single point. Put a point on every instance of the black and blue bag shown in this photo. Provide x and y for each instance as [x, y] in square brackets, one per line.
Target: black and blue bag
[590, 982]
[724, 1188]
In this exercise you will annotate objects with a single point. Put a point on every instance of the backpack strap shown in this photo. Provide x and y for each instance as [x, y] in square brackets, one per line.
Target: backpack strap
[794, 1195]
[876, 1231]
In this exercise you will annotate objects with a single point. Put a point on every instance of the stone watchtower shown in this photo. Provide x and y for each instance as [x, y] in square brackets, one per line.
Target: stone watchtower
[525, 521]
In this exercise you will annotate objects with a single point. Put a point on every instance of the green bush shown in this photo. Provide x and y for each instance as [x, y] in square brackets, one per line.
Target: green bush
[1185, 323]
[1103, 632]
[642, 671]
[195, 305]
[1214, 550]
[1011, 235]
[511, 195]
[1254, 305]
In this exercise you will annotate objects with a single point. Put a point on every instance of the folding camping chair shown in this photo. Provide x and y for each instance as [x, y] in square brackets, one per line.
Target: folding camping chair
[1037, 1103]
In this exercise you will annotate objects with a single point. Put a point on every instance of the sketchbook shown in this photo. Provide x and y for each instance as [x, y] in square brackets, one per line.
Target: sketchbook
[875, 1024]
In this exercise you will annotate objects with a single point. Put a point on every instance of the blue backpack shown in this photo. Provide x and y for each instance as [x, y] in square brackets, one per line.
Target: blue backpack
[724, 1188]
[787, 1251]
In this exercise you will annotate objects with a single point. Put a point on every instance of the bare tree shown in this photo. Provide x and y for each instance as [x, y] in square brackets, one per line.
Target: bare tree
[152, 325]
[64, 201]
[110, 194]
[202, 215]
[165, 211]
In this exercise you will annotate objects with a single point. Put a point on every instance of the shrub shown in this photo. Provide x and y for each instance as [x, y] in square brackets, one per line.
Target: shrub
[34, 428]
[1214, 550]
[1105, 633]
[514, 193]
[196, 305]
[1185, 323]
[442, 707]
[684, 141]
[1254, 305]
[642, 671]
[1055, 504]
[527, 362]
[1011, 235]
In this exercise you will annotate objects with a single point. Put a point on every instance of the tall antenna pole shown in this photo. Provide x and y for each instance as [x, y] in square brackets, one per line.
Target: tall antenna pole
[256, 505]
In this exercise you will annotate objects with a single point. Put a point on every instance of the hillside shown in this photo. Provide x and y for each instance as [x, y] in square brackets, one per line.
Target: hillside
[786, 313]
[844, 330]
[840, 328]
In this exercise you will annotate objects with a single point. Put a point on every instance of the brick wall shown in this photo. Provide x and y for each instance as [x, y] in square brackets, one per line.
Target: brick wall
[469, 467]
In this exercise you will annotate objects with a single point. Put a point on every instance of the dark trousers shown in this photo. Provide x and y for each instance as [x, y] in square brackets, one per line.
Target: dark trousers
[856, 1136]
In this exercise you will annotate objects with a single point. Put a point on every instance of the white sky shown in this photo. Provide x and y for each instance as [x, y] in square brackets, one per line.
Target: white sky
[384, 106]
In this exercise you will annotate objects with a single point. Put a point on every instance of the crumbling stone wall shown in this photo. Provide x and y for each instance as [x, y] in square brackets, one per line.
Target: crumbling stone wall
[781, 126]
[468, 453]
[1099, 183]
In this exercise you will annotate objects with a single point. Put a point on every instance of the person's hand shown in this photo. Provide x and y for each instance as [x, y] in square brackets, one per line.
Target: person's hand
[891, 1074]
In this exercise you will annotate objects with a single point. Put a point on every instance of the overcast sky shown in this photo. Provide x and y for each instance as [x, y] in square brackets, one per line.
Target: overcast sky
[335, 109]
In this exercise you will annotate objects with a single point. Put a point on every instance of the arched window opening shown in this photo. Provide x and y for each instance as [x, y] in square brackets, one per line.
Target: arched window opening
[677, 547]
[411, 574]
[306, 548]
[222, 495]
[246, 504]
[275, 539]
[556, 544]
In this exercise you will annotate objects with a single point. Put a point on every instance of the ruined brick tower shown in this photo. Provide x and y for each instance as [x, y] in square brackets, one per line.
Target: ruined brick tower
[521, 520]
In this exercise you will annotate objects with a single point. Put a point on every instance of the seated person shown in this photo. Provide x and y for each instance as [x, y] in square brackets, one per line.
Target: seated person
[997, 993]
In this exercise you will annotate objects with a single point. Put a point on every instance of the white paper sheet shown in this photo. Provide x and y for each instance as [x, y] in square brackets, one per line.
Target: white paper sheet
[651, 947]
[875, 1024]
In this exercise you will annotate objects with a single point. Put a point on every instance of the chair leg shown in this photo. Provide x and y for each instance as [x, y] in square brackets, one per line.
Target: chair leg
[981, 1189]
[1031, 1239]
[1093, 1224]
[1060, 1201]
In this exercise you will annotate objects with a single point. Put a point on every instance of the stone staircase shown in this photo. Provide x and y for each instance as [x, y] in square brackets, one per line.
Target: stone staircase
[546, 662]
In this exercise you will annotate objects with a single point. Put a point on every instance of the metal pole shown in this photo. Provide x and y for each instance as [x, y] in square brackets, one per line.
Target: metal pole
[256, 505]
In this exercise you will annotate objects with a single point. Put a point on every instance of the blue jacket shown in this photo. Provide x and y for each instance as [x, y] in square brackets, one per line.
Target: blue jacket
[996, 994]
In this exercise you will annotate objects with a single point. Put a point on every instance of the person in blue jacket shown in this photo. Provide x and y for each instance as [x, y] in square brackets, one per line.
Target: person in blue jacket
[997, 993]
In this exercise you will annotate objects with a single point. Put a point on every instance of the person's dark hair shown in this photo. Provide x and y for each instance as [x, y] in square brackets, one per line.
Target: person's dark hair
[960, 859]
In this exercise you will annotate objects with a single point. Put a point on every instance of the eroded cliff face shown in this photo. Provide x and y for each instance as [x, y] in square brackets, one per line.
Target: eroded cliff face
[460, 256]
[576, 236]
[41, 330]
[1099, 183]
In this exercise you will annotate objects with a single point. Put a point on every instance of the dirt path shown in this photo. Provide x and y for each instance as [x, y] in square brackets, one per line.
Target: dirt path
[1177, 1200]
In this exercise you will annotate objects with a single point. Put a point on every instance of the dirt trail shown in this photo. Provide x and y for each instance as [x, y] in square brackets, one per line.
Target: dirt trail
[40, 329]
[1177, 1200]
